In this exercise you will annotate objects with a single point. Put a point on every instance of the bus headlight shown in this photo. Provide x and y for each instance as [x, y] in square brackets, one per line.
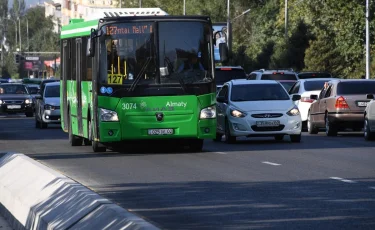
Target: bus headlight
[108, 115]
[208, 113]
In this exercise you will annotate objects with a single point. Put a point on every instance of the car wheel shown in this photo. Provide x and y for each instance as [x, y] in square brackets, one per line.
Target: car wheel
[73, 139]
[311, 129]
[228, 137]
[218, 137]
[295, 138]
[369, 136]
[43, 125]
[331, 129]
[94, 144]
[279, 137]
[37, 124]
[196, 145]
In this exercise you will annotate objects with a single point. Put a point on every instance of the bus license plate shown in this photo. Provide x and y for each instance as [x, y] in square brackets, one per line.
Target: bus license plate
[268, 123]
[160, 131]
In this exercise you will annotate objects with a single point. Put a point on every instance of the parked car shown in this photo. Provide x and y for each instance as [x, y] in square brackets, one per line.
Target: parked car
[278, 74]
[256, 108]
[15, 98]
[369, 124]
[305, 88]
[227, 73]
[339, 106]
[314, 74]
[47, 109]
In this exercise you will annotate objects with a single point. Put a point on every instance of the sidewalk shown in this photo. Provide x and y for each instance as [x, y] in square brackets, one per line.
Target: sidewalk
[4, 224]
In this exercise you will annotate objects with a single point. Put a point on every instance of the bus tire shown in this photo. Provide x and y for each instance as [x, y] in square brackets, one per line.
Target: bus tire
[196, 145]
[94, 144]
[73, 139]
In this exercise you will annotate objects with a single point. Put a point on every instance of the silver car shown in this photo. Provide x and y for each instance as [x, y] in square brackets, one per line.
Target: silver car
[47, 107]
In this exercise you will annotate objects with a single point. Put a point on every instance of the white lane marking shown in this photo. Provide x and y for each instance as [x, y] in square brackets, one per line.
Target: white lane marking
[372, 187]
[221, 153]
[270, 163]
[343, 180]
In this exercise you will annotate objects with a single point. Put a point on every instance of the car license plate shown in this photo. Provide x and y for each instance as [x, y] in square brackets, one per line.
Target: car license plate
[13, 106]
[268, 123]
[362, 103]
[160, 131]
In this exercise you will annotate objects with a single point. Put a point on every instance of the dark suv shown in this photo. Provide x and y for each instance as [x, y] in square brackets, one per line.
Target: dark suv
[227, 73]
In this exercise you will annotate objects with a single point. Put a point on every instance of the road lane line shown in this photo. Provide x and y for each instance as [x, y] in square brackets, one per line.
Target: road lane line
[270, 163]
[372, 187]
[342, 179]
[221, 153]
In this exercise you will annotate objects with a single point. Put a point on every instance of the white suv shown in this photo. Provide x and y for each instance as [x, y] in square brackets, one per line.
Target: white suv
[369, 126]
[277, 75]
[256, 108]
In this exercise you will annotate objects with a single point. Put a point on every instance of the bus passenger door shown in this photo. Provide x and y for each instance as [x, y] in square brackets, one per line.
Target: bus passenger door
[79, 84]
[66, 63]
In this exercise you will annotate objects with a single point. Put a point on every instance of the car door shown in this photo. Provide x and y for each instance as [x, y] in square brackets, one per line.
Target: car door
[220, 109]
[371, 116]
[295, 90]
[314, 108]
[323, 106]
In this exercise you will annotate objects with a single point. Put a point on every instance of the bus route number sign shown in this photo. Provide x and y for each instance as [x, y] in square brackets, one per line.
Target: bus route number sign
[121, 29]
[115, 79]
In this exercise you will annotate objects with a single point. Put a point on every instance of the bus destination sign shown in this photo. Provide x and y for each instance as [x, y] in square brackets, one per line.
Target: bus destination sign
[121, 29]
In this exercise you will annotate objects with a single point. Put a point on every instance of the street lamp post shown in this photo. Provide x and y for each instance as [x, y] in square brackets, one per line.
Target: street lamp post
[286, 19]
[184, 7]
[140, 3]
[19, 27]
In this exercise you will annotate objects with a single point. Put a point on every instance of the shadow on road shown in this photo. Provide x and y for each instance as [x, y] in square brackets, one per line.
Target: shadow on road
[316, 204]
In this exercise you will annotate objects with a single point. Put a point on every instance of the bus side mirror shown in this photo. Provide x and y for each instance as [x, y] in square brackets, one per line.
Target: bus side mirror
[90, 51]
[223, 50]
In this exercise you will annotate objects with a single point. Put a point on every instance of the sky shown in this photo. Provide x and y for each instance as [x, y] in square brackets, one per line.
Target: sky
[28, 3]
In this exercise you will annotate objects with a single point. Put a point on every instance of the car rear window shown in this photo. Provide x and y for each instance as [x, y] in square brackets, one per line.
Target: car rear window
[314, 75]
[226, 74]
[52, 91]
[356, 87]
[258, 92]
[287, 84]
[314, 85]
[278, 77]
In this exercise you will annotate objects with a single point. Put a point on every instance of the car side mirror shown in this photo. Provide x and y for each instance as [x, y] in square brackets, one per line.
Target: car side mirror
[370, 96]
[314, 97]
[296, 97]
[221, 99]
[38, 97]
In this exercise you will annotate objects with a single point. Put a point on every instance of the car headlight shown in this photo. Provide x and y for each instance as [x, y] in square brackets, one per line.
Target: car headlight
[49, 107]
[1, 102]
[237, 113]
[208, 113]
[108, 115]
[293, 112]
[28, 101]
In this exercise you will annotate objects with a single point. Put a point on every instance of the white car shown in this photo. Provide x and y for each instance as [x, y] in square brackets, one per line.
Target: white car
[256, 108]
[369, 125]
[47, 107]
[305, 88]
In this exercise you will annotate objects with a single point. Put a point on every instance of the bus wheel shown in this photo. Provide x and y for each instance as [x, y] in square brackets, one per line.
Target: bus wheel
[73, 139]
[196, 145]
[95, 145]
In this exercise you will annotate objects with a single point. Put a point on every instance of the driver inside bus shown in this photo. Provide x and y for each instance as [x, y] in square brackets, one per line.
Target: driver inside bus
[191, 64]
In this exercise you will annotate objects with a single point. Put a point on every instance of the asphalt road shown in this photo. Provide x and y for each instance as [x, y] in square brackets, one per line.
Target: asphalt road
[320, 183]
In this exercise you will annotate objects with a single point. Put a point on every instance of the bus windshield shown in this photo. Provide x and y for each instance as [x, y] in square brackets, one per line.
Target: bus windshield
[155, 53]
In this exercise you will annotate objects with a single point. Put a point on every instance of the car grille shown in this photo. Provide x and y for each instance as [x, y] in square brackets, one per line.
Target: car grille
[267, 129]
[267, 115]
[12, 102]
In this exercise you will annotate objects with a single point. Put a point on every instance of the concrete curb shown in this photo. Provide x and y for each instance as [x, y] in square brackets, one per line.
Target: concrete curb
[34, 196]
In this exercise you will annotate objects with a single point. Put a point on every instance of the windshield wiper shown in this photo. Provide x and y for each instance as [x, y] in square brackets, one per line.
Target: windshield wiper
[140, 74]
[182, 83]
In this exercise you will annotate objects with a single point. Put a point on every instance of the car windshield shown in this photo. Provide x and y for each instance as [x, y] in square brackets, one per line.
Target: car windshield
[356, 87]
[314, 75]
[52, 91]
[258, 92]
[13, 89]
[279, 76]
[33, 89]
[314, 85]
[287, 84]
[223, 75]
[180, 53]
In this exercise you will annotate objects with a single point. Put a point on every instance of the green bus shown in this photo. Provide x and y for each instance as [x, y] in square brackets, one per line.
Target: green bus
[138, 74]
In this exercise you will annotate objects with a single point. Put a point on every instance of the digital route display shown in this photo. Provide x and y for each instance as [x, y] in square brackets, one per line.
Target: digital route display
[122, 29]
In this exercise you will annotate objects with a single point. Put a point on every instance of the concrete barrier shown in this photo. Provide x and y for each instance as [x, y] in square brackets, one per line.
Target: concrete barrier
[36, 197]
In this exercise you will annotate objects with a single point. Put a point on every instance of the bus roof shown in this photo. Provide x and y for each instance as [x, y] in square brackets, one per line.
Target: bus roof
[79, 27]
